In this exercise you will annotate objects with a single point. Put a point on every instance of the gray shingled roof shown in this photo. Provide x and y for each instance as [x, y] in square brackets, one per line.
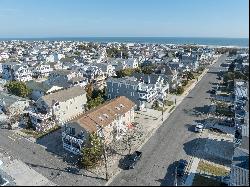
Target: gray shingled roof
[63, 95]
[33, 85]
[9, 99]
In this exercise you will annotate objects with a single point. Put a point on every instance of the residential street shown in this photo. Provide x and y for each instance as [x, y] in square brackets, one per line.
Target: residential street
[174, 140]
[45, 162]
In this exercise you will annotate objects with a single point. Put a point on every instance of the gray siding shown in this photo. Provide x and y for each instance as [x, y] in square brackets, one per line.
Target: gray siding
[129, 91]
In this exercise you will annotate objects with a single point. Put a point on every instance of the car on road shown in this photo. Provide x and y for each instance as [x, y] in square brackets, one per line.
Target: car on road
[130, 160]
[213, 91]
[199, 127]
[182, 164]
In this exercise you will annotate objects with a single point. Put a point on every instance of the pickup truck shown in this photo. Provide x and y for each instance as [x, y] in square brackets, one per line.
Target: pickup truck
[130, 160]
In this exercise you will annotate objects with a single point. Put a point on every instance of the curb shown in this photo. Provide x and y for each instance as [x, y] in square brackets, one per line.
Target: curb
[151, 133]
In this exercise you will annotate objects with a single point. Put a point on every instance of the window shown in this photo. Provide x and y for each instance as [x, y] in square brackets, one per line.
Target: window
[109, 96]
[117, 90]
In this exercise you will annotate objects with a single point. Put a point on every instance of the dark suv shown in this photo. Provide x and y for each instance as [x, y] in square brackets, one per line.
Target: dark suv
[130, 160]
[213, 91]
[182, 164]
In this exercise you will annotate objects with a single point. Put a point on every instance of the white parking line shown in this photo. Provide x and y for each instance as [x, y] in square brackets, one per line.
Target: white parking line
[11, 138]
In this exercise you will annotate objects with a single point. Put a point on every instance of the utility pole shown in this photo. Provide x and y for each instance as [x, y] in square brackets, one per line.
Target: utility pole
[162, 110]
[175, 177]
[104, 154]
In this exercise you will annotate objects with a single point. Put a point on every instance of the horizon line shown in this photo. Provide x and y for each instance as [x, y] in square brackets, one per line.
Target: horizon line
[30, 37]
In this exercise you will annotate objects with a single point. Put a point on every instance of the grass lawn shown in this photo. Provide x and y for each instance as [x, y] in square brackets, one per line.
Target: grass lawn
[212, 169]
[38, 135]
[169, 103]
[200, 180]
[189, 84]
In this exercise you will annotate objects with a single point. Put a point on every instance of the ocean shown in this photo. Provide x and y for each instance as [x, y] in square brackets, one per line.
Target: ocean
[239, 42]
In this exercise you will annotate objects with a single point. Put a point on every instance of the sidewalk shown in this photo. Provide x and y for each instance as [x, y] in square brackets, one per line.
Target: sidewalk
[22, 174]
[153, 124]
[192, 172]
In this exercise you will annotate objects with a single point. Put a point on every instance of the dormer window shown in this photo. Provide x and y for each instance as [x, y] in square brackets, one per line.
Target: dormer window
[117, 108]
[122, 106]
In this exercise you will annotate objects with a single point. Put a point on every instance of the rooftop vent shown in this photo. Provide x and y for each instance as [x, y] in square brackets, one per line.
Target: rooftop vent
[106, 115]
[101, 118]
[122, 106]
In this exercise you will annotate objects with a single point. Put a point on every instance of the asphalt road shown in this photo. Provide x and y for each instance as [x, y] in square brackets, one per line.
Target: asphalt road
[174, 140]
[45, 162]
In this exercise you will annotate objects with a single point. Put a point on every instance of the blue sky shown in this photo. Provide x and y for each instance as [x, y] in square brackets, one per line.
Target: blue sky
[171, 18]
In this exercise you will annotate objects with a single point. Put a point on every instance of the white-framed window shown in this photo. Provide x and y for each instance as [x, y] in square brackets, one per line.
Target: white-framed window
[109, 96]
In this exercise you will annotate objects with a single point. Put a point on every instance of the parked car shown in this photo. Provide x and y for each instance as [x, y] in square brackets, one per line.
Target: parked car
[182, 164]
[130, 160]
[213, 91]
[199, 127]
